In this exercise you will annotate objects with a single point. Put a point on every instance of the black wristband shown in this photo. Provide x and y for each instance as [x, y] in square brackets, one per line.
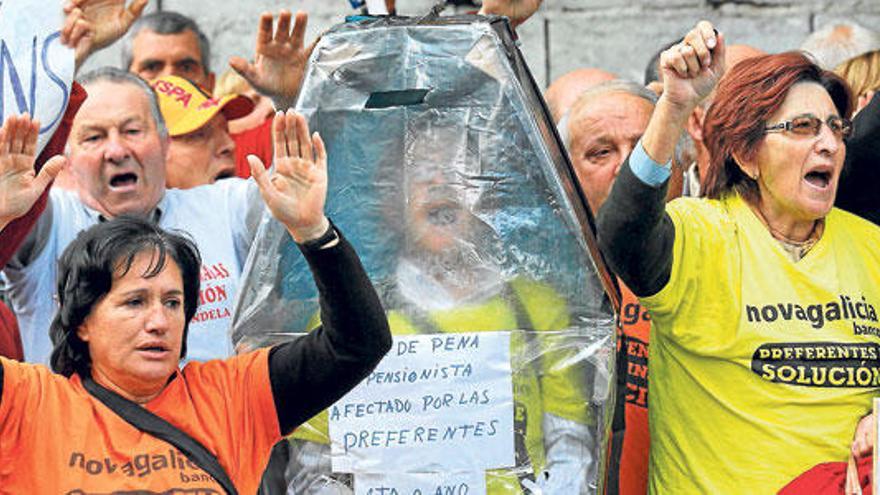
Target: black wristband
[327, 237]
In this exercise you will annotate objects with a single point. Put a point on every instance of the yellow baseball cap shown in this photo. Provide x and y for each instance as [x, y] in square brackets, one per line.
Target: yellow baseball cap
[187, 107]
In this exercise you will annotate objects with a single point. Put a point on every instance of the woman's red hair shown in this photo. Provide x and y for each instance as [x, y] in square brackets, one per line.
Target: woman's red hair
[746, 97]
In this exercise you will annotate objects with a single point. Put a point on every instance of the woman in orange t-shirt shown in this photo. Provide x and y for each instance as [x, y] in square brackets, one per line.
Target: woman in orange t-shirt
[126, 292]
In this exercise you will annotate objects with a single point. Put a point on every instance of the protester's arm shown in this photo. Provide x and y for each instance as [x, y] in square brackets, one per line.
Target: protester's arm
[20, 186]
[99, 23]
[317, 369]
[280, 59]
[15, 233]
[14, 230]
[571, 461]
[634, 233]
[11, 341]
[313, 372]
[518, 11]
[10, 335]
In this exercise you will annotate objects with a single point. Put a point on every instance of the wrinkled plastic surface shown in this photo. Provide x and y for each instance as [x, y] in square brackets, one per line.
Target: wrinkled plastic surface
[446, 175]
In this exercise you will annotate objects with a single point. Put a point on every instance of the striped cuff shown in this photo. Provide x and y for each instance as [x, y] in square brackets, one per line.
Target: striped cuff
[647, 170]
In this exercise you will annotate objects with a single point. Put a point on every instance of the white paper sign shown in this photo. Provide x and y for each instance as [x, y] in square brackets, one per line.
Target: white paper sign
[420, 484]
[36, 71]
[435, 403]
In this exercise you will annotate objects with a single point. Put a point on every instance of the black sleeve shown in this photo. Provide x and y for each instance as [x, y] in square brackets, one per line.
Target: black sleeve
[635, 233]
[315, 370]
[857, 192]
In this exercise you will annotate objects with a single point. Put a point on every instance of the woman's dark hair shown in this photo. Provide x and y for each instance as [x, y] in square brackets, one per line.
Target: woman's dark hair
[747, 96]
[93, 260]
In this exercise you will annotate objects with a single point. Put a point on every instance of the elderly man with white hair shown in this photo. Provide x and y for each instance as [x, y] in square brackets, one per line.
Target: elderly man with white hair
[600, 129]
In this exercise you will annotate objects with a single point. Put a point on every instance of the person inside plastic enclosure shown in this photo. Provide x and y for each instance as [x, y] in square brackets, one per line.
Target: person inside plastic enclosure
[451, 256]
[450, 279]
[127, 291]
[760, 292]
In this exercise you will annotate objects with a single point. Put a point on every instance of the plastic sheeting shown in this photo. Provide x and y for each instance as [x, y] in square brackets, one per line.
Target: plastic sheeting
[448, 177]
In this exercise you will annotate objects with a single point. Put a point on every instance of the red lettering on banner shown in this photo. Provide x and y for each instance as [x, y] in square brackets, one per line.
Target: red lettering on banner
[215, 271]
[213, 294]
[212, 314]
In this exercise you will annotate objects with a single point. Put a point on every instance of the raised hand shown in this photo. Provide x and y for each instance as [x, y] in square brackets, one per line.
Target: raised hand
[279, 59]
[78, 33]
[20, 187]
[108, 20]
[518, 11]
[296, 190]
[691, 69]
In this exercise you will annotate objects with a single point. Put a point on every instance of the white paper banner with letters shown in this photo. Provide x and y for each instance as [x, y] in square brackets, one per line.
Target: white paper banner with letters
[36, 71]
[435, 403]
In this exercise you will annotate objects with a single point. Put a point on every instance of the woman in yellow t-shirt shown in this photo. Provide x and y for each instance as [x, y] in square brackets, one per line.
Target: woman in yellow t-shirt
[763, 296]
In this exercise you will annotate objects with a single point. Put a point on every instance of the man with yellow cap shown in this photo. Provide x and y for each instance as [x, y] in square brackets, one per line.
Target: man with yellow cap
[168, 43]
[200, 150]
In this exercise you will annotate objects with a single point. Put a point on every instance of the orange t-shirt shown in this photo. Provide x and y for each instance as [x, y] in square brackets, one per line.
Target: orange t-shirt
[636, 325]
[55, 438]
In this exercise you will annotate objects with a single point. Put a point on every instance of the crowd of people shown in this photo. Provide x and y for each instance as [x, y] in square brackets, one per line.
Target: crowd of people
[733, 196]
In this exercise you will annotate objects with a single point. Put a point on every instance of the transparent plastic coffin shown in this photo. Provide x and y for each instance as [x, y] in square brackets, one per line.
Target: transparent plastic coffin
[447, 176]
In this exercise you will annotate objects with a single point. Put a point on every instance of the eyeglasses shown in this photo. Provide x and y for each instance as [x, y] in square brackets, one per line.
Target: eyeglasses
[809, 125]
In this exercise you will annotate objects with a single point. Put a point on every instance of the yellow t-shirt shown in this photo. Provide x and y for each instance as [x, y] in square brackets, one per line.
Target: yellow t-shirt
[760, 366]
[56, 438]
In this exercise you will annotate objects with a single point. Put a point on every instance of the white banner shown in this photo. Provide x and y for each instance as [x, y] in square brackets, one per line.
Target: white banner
[36, 71]
[435, 403]
[420, 484]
